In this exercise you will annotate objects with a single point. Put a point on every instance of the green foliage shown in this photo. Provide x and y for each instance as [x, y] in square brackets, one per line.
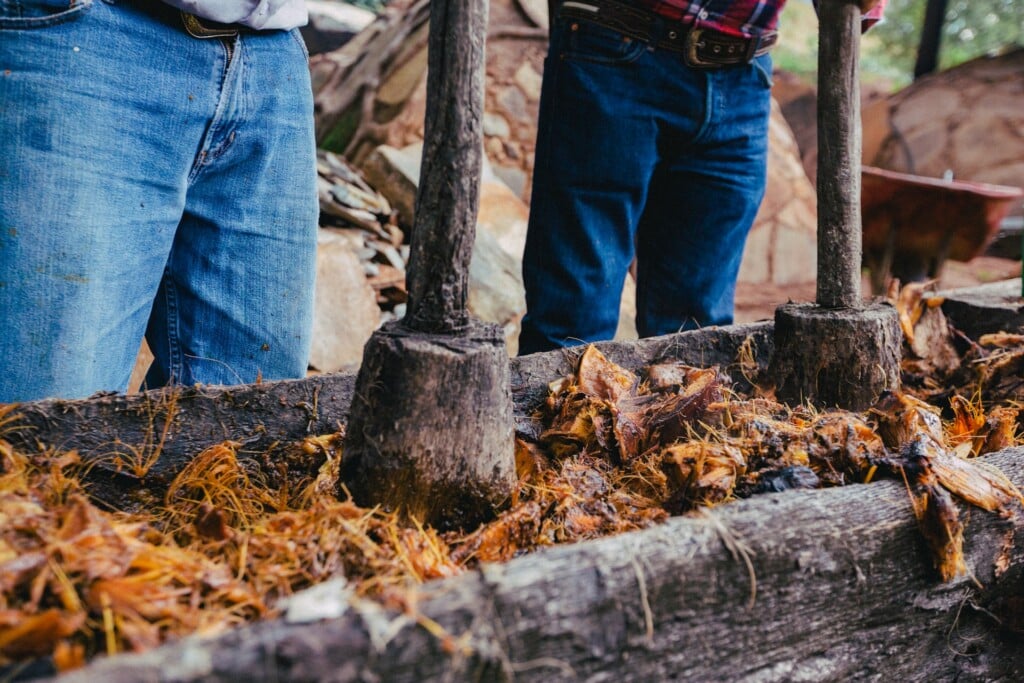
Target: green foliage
[971, 29]
[797, 49]
[888, 51]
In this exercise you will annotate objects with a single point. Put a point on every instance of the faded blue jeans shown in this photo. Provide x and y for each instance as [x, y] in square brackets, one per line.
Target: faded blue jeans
[154, 184]
[639, 154]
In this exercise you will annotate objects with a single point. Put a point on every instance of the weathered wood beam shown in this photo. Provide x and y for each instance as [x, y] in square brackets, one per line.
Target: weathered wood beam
[985, 308]
[287, 411]
[260, 415]
[822, 585]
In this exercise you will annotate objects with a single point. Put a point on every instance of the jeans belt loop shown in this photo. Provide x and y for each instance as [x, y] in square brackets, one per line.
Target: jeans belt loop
[752, 48]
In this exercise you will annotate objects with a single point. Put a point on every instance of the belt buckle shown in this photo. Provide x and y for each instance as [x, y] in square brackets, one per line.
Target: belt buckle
[693, 43]
[198, 29]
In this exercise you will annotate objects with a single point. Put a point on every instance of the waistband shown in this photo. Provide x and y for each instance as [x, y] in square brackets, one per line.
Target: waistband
[701, 47]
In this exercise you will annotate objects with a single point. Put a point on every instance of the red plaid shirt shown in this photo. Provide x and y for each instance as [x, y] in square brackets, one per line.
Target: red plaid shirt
[746, 18]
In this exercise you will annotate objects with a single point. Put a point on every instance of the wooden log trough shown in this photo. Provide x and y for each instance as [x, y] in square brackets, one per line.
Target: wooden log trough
[820, 585]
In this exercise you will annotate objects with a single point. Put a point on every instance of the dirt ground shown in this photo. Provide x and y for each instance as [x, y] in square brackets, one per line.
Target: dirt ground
[758, 302]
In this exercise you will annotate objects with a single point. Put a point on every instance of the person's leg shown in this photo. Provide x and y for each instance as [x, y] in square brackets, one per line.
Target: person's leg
[702, 202]
[99, 122]
[236, 301]
[595, 153]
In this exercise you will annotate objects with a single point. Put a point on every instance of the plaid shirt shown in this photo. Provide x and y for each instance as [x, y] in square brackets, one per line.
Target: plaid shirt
[746, 18]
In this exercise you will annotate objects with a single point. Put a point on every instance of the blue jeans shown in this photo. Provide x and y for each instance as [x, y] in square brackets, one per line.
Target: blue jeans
[154, 184]
[639, 154]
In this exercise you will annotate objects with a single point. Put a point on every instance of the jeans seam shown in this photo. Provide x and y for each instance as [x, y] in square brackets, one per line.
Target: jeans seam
[764, 74]
[29, 23]
[297, 36]
[705, 125]
[175, 358]
[211, 149]
[579, 58]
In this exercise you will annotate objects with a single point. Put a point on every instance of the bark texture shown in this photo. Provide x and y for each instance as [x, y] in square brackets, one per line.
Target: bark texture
[449, 190]
[821, 585]
[839, 155]
[168, 427]
[836, 357]
[430, 430]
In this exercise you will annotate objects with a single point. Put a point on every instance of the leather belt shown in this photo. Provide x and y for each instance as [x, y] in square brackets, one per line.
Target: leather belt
[702, 47]
[204, 28]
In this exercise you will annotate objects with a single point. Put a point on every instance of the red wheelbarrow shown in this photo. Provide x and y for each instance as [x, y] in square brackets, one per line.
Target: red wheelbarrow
[913, 224]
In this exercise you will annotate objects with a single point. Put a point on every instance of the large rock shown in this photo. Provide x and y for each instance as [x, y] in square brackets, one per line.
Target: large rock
[495, 273]
[968, 120]
[502, 213]
[495, 281]
[346, 311]
[537, 11]
[395, 173]
[782, 246]
[516, 47]
[496, 286]
[799, 102]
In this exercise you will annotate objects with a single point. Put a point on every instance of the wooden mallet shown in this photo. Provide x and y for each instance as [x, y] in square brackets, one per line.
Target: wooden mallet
[430, 429]
[840, 351]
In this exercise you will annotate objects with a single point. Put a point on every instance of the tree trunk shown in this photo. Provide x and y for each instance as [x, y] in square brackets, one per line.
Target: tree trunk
[448, 195]
[837, 353]
[823, 585]
[931, 38]
[430, 428]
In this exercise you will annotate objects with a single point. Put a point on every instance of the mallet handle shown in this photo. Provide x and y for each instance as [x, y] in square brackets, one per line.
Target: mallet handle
[839, 155]
[448, 196]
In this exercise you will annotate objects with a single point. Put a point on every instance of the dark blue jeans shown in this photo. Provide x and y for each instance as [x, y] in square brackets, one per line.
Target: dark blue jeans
[639, 154]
